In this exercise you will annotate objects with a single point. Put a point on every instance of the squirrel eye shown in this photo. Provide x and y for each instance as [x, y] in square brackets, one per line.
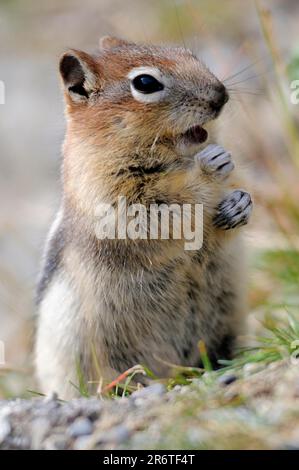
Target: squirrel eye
[147, 84]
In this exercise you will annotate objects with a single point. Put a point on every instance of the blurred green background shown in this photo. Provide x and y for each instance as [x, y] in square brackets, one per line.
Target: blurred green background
[255, 43]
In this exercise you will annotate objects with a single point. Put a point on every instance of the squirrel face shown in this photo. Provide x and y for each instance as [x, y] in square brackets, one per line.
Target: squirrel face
[140, 94]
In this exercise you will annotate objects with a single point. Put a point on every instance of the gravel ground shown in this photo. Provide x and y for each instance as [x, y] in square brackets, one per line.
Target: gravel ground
[256, 408]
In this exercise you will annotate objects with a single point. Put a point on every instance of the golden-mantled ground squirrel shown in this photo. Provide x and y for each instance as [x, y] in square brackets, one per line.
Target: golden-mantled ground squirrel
[134, 128]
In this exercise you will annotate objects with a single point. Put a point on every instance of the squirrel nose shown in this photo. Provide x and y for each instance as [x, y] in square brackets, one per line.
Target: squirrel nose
[220, 98]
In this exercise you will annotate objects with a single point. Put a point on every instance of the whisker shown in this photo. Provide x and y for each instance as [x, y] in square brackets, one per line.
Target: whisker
[244, 88]
[248, 92]
[267, 65]
[246, 79]
[179, 23]
[241, 71]
[241, 97]
[238, 100]
[267, 72]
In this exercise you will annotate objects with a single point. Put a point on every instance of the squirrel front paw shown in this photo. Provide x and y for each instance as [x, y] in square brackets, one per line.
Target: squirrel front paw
[234, 210]
[215, 161]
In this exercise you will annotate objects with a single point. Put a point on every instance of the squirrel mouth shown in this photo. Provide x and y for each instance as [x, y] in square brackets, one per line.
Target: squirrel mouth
[195, 135]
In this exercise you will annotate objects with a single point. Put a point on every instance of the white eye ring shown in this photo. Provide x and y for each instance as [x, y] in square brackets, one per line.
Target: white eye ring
[150, 97]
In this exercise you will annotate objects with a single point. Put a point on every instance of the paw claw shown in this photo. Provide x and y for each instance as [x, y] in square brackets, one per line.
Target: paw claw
[234, 211]
[215, 160]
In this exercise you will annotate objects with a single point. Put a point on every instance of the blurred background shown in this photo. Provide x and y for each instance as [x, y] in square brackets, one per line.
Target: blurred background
[253, 46]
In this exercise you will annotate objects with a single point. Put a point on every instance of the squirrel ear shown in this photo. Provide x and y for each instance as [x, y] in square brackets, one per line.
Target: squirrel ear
[79, 74]
[109, 42]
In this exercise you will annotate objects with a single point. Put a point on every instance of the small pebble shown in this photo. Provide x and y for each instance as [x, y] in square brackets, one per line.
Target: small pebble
[154, 390]
[51, 397]
[5, 428]
[116, 435]
[39, 429]
[185, 390]
[55, 442]
[227, 379]
[80, 427]
[196, 435]
[89, 408]
[18, 442]
[251, 368]
[82, 443]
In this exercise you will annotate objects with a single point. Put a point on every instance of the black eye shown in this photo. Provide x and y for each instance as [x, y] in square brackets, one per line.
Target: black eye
[147, 84]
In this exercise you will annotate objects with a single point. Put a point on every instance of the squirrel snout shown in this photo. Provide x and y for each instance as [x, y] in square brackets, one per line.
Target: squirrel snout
[220, 97]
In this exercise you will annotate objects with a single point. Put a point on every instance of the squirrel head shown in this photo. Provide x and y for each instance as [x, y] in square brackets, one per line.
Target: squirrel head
[139, 94]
